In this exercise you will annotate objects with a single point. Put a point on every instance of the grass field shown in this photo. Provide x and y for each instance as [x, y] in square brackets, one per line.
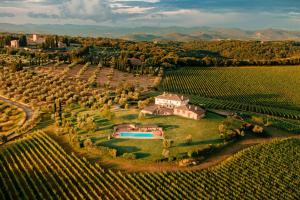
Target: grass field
[276, 87]
[203, 132]
[36, 167]
[11, 118]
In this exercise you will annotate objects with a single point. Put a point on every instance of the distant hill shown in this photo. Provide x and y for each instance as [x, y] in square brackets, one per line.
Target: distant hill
[148, 33]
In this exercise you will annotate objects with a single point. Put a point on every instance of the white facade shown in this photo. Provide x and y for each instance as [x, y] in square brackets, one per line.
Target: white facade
[34, 37]
[61, 45]
[170, 103]
[15, 44]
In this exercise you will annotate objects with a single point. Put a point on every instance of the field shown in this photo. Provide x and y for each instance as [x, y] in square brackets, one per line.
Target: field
[35, 167]
[11, 118]
[105, 76]
[268, 90]
[203, 133]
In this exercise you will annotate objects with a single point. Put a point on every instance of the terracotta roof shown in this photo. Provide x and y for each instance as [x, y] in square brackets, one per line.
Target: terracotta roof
[150, 108]
[173, 97]
[191, 108]
[136, 126]
[158, 110]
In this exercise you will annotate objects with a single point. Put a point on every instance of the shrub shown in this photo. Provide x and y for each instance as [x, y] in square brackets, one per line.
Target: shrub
[180, 156]
[165, 153]
[171, 158]
[130, 156]
[189, 139]
[258, 129]
[167, 143]
[88, 143]
[192, 154]
[258, 120]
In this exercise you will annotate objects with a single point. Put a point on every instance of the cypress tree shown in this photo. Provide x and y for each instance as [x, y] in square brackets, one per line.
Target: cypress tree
[60, 112]
[54, 106]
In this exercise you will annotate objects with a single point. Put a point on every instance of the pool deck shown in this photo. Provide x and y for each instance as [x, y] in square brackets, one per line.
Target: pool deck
[155, 137]
[138, 129]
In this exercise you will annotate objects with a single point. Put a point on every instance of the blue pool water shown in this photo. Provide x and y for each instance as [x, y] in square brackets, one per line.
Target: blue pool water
[136, 134]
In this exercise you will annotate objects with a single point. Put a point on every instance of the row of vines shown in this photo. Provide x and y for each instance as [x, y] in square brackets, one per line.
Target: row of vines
[269, 90]
[36, 167]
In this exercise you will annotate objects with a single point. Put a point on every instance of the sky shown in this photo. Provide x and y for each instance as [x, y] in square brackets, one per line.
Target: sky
[245, 14]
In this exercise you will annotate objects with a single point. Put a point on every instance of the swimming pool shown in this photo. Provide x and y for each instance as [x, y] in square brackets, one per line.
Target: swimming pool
[137, 135]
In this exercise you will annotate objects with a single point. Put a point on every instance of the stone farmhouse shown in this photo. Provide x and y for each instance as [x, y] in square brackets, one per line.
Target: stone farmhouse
[173, 104]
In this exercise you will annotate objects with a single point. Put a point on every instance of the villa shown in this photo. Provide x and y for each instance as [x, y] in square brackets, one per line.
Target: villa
[133, 131]
[171, 100]
[173, 104]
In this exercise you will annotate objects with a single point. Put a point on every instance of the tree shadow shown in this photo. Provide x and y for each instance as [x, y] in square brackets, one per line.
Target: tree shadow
[121, 149]
[102, 122]
[107, 127]
[201, 142]
[167, 126]
[141, 155]
[129, 117]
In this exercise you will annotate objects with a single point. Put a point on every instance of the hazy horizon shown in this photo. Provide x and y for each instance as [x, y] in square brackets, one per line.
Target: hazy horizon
[159, 13]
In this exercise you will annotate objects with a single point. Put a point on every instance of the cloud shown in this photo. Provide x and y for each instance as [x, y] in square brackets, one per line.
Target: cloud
[42, 15]
[133, 10]
[97, 10]
[222, 13]
[4, 14]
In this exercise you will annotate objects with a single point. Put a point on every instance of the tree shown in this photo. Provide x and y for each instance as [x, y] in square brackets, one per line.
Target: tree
[3, 138]
[126, 106]
[165, 153]
[14, 67]
[230, 129]
[189, 139]
[23, 41]
[88, 143]
[167, 143]
[54, 107]
[60, 112]
[141, 116]
[130, 156]
[258, 129]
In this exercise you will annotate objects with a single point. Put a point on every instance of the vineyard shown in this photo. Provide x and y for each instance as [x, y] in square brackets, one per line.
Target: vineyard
[268, 90]
[11, 117]
[35, 167]
[236, 106]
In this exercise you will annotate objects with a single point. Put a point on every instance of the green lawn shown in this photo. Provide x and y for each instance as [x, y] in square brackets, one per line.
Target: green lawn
[204, 132]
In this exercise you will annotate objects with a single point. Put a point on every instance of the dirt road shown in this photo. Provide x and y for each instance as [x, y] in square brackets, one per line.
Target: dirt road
[28, 111]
